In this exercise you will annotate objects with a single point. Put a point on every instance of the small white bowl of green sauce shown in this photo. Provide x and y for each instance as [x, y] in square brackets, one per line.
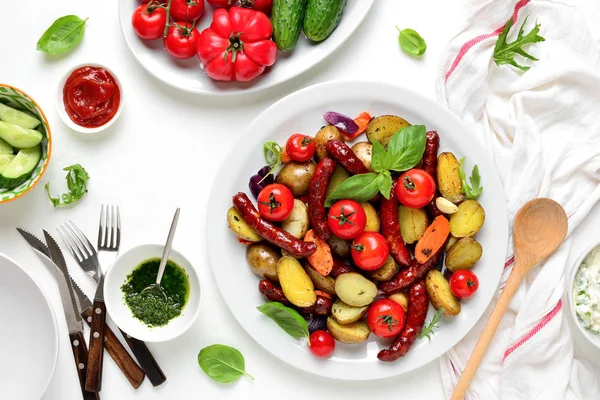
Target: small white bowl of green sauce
[149, 317]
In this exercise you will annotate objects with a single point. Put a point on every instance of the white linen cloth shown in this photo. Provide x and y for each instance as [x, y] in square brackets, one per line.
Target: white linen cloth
[542, 130]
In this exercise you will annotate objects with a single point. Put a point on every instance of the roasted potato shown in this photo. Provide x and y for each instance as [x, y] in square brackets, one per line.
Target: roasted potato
[345, 314]
[355, 332]
[355, 290]
[339, 176]
[240, 227]
[363, 151]
[448, 178]
[296, 223]
[400, 298]
[324, 135]
[297, 176]
[463, 254]
[440, 294]
[450, 242]
[373, 223]
[413, 223]
[468, 220]
[295, 282]
[339, 247]
[382, 128]
[385, 272]
[323, 283]
[263, 260]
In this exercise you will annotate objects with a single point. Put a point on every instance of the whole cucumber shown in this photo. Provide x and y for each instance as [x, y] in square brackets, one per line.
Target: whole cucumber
[322, 17]
[287, 17]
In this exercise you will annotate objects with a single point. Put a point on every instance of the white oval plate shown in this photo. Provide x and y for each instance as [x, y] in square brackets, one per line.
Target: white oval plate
[29, 336]
[188, 76]
[302, 112]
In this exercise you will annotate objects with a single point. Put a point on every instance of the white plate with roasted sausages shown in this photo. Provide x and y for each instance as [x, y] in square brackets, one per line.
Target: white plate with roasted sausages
[303, 112]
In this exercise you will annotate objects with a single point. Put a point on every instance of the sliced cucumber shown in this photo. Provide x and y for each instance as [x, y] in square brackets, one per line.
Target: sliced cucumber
[19, 137]
[5, 159]
[19, 118]
[5, 148]
[19, 169]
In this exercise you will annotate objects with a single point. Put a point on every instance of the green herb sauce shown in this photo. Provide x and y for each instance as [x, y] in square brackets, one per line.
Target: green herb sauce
[151, 307]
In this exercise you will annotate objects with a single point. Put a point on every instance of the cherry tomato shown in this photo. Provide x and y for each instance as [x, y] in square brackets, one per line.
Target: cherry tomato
[181, 40]
[347, 219]
[370, 251]
[149, 21]
[321, 343]
[186, 10]
[260, 5]
[385, 318]
[463, 283]
[415, 188]
[222, 3]
[300, 147]
[275, 202]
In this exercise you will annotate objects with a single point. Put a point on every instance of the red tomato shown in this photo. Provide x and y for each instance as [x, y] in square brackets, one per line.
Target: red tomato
[300, 147]
[221, 3]
[181, 40]
[149, 21]
[463, 283]
[347, 219]
[385, 318]
[275, 202]
[370, 251]
[415, 188]
[237, 46]
[186, 10]
[260, 5]
[321, 344]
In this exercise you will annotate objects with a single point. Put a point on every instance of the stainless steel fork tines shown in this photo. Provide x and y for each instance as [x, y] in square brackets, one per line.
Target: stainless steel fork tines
[109, 229]
[80, 247]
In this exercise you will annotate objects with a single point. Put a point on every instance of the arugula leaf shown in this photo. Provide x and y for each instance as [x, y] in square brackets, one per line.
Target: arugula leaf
[384, 183]
[411, 42]
[504, 53]
[223, 364]
[360, 188]
[380, 158]
[62, 35]
[428, 331]
[475, 189]
[77, 178]
[407, 146]
[287, 318]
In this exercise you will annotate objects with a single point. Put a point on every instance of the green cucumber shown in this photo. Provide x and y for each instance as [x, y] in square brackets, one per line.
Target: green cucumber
[5, 148]
[19, 118]
[287, 17]
[20, 168]
[5, 159]
[322, 17]
[19, 137]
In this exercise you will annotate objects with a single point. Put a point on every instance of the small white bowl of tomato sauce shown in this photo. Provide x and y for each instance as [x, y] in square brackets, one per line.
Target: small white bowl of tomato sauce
[90, 98]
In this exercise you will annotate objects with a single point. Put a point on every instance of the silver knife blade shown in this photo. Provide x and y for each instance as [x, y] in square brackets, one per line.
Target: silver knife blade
[34, 242]
[84, 301]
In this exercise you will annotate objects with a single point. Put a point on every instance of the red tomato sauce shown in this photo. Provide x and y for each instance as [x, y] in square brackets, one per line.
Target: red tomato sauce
[91, 96]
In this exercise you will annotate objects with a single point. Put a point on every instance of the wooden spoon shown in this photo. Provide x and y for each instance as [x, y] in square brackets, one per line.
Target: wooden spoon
[540, 227]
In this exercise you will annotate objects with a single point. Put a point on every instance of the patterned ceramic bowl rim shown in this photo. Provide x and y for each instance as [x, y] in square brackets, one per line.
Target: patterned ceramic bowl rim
[32, 107]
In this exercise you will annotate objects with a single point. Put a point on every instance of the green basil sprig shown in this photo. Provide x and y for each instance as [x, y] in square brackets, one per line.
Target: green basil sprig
[287, 318]
[411, 42]
[62, 35]
[77, 178]
[223, 364]
[404, 151]
[474, 190]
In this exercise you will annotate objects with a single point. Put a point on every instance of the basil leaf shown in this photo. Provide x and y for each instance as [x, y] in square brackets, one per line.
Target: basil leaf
[222, 363]
[360, 187]
[384, 183]
[380, 158]
[77, 178]
[411, 42]
[407, 146]
[62, 35]
[287, 318]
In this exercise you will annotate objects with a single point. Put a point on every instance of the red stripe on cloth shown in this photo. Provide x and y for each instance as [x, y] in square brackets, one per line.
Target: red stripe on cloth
[509, 262]
[535, 330]
[467, 46]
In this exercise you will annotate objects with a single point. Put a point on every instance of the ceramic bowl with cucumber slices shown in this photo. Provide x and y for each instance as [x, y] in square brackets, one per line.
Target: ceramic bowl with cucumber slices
[25, 143]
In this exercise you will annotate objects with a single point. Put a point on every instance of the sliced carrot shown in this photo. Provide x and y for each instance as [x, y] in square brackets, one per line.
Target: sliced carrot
[433, 239]
[285, 158]
[323, 294]
[321, 260]
[362, 121]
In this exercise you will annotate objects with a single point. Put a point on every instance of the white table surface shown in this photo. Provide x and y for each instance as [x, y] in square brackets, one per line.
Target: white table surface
[163, 152]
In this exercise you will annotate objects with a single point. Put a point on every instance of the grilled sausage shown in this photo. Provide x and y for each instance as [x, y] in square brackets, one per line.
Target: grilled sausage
[343, 155]
[270, 232]
[390, 228]
[408, 276]
[418, 304]
[273, 292]
[340, 267]
[432, 146]
[317, 192]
